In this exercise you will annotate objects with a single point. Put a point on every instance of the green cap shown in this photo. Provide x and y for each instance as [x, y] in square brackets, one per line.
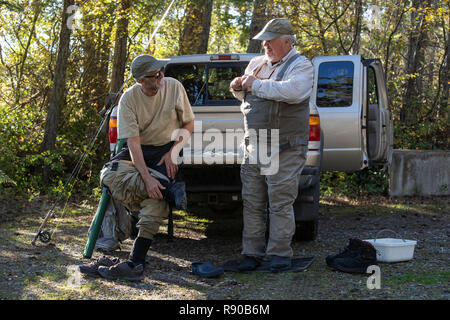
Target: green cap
[146, 63]
[275, 28]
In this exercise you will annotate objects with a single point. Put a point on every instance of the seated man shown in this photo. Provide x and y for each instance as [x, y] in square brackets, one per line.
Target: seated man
[150, 116]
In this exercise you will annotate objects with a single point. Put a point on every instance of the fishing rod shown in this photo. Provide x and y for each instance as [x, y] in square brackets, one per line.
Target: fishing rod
[45, 236]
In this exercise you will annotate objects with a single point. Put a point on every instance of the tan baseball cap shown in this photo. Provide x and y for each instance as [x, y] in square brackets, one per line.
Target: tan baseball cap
[275, 28]
[146, 63]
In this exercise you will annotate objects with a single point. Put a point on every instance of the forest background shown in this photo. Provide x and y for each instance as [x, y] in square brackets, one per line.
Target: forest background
[55, 79]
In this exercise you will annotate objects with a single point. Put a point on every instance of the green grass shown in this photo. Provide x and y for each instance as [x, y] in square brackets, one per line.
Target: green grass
[427, 279]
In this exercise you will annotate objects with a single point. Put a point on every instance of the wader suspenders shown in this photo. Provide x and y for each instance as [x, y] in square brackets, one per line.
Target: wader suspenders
[286, 65]
[279, 77]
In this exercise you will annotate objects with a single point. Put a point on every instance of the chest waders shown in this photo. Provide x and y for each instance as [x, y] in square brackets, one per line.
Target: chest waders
[263, 115]
[264, 189]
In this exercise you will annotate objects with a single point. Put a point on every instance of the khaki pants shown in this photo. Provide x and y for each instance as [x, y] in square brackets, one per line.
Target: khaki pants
[277, 191]
[126, 186]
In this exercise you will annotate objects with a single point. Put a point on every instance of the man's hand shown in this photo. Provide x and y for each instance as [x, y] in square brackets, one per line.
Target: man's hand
[171, 167]
[247, 82]
[153, 185]
[236, 84]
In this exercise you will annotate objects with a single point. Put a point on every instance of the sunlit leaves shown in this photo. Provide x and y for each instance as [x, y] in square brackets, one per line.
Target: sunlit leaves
[323, 27]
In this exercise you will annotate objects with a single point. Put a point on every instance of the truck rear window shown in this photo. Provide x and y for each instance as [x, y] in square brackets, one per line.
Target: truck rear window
[207, 84]
[335, 84]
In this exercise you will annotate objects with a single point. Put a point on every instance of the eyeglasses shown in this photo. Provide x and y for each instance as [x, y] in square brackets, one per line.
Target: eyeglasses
[156, 75]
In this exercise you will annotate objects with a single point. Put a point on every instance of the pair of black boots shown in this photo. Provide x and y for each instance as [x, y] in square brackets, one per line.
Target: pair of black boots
[355, 258]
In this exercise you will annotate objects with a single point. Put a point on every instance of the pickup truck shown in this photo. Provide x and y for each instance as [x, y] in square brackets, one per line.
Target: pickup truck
[350, 128]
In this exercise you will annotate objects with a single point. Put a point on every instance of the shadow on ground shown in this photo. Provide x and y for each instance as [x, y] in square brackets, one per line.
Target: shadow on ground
[202, 234]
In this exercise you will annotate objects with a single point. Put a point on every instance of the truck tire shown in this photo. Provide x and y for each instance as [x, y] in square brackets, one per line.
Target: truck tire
[306, 207]
[307, 213]
[306, 230]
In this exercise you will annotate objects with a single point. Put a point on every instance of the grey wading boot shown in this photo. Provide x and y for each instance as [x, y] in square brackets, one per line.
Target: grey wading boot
[92, 268]
[133, 268]
[355, 261]
[278, 264]
[249, 263]
[125, 270]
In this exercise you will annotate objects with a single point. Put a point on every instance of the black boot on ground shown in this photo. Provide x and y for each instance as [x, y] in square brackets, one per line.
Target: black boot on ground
[358, 262]
[351, 250]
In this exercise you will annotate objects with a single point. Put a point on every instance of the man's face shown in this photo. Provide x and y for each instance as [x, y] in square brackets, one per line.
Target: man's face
[153, 80]
[277, 48]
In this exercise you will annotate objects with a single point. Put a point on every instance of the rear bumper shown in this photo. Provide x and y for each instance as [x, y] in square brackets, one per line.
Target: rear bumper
[220, 172]
[221, 185]
[227, 179]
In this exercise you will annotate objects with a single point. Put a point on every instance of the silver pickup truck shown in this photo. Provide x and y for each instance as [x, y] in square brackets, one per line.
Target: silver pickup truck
[350, 127]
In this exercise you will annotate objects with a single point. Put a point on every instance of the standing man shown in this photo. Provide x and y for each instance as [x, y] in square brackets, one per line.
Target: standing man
[151, 114]
[275, 92]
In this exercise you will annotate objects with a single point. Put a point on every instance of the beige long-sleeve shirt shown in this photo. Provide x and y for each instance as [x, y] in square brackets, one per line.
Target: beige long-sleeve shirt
[295, 87]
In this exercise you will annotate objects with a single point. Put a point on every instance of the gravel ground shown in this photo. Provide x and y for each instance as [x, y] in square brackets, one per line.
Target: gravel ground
[45, 271]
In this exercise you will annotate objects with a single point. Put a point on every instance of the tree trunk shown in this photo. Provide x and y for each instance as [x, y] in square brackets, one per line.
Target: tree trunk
[445, 77]
[103, 65]
[415, 59]
[398, 12]
[37, 8]
[257, 24]
[59, 82]
[196, 27]
[96, 44]
[314, 11]
[357, 33]
[120, 48]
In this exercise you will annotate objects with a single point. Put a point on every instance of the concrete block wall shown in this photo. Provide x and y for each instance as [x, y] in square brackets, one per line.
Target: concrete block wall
[420, 173]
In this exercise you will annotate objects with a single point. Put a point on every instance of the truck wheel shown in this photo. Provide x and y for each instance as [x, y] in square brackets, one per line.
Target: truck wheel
[307, 213]
[306, 230]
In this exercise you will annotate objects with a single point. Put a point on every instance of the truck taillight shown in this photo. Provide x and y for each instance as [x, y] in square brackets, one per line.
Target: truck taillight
[224, 57]
[113, 130]
[314, 128]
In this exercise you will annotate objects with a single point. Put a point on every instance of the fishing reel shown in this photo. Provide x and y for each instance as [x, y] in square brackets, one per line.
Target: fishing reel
[45, 236]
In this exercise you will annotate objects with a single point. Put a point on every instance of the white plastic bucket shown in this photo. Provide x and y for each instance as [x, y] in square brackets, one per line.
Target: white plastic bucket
[392, 249]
